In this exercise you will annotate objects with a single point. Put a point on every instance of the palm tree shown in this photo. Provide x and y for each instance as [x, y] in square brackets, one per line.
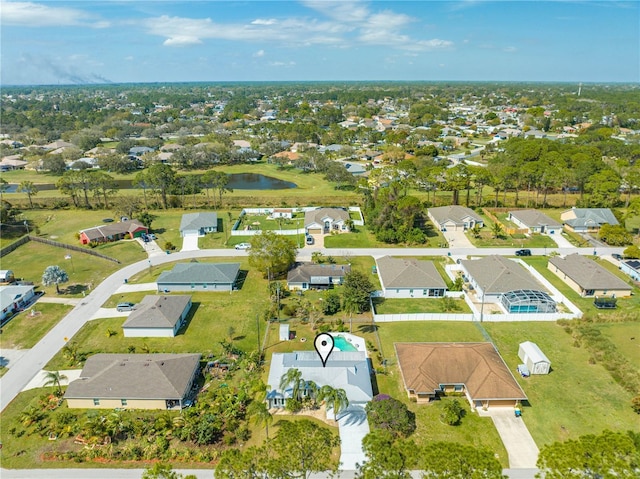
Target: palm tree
[335, 399]
[292, 377]
[53, 378]
[70, 352]
[259, 411]
[30, 189]
[497, 230]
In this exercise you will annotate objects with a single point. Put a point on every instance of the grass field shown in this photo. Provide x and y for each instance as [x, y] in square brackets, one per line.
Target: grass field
[626, 337]
[576, 398]
[486, 239]
[30, 260]
[25, 329]
[419, 305]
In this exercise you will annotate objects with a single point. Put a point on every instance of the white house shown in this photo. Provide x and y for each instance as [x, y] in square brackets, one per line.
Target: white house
[409, 278]
[282, 213]
[198, 224]
[14, 299]
[454, 217]
[534, 221]
[326, 220]
[157, 317]
[632, 268]
[534, 358]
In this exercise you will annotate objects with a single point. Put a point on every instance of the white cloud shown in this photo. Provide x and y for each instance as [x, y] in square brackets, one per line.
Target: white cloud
[510, 49]
[346, 24]
[259, 53]
[129, 58]
[260, 21]
[31, 14]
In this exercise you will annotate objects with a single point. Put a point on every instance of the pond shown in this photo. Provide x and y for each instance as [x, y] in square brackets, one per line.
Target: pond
[237, 181]
[255, 181]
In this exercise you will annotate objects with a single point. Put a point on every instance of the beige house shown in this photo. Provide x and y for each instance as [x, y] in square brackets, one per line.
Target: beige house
[326, 220]
[476, 370]
[588, 278]
[157, 317]
[454, 217]
[134, 381]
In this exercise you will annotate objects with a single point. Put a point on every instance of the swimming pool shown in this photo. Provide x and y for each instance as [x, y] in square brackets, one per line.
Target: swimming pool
[340, 343]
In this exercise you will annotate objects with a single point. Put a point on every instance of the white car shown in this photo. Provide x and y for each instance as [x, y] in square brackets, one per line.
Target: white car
[243, 246]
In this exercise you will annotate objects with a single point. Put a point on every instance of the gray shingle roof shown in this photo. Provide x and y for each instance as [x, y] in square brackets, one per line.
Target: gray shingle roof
[497, 274]
[195, 221]
[317, 216]
[534, 218]
[210, 273]
[408, 273]
[586, 217]
[112, 229]
[587, 273]
[157, 312]
[454, 213]
[305, 273]
[135, 376]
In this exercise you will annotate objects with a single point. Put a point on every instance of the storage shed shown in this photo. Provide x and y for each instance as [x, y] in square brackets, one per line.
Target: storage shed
[284, 332]
[534, 358]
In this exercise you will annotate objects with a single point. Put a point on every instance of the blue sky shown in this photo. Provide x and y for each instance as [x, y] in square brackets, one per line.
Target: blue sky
[85, 41]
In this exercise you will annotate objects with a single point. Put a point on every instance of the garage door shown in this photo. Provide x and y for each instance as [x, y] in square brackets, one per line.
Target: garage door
[315, 231]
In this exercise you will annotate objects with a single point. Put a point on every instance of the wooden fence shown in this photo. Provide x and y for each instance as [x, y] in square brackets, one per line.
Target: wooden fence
[25, 239]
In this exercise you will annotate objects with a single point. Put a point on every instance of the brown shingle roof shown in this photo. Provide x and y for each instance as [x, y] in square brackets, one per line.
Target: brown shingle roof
[425, 366]
[587, 273]
[409, 273]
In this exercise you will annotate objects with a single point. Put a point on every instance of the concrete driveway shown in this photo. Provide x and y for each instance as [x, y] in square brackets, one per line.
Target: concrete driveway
[520, 446]
[561, 241]
[457, 239]
[190, 243]
[353, 427]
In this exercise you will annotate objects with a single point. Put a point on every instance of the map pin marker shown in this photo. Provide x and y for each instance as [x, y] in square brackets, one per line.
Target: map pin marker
[324, 345]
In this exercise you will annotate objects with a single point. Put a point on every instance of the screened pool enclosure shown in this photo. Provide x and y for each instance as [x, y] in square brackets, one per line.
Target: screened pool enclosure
[528, 301]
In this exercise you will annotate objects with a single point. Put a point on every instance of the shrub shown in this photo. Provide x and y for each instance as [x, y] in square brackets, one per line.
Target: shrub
[387, 413]
[452, 412]
[635, 404]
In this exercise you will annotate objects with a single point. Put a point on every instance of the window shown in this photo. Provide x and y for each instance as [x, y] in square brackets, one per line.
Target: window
[424, 292]
[458, 388]
[123, 402]
[96, 402]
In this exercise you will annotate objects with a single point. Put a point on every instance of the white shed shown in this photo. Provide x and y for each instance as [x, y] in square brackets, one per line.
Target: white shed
[284, 332]
[534, 358]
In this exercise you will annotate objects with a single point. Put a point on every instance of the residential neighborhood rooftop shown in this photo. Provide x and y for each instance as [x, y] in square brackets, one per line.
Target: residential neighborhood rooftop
[497, 274]
[587, 273]
[408, 272]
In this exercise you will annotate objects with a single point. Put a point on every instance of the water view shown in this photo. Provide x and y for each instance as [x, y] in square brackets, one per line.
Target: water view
[254, 181]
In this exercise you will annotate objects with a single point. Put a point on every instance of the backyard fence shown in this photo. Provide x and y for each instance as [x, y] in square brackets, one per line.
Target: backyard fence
[25, 239]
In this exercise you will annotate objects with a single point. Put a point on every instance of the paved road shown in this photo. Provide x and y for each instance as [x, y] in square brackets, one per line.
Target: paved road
[34, 360]
[199, 473]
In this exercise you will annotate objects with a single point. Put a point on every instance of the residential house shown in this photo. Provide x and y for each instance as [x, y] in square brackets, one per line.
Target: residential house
[12, 162]
[59, 144]
[348, 370]
[632, 268]
[588, 278]
[534, 221]
[14, 298]
[7, 276]
[409, 278]
[198, 224]
[587, 220]
[307, 276]
[477, 370]
[282, 213]
[113, 232]
[499, 280]
[134, 381]
[157, 317]
[326, 220]
[199, 277]
[454, 217]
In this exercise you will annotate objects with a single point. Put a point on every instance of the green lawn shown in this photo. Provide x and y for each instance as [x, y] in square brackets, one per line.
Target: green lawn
[26, 329]
[264, 223]
[576, 398]
[30, 260]
[419, 305]
[626, 337]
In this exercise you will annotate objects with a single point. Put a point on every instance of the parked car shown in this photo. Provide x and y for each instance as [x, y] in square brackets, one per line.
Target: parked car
[309, 239]
[152, 236]
[243, 246]
[523, 252]
[617, 256]
[125, 307]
